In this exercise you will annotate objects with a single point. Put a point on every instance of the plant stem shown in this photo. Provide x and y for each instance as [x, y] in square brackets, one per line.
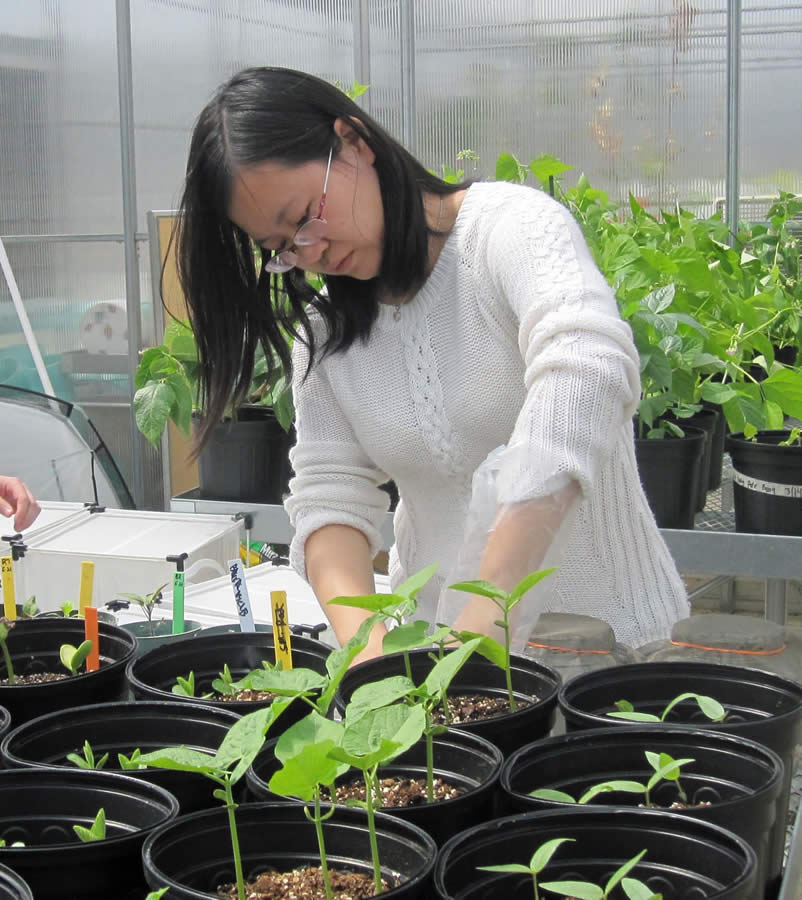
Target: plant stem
[429, 759]
[324, 865]
[534, 883]
[507, 672]
[9, 667]
[407, 665]
[374, 847]
[232, 827]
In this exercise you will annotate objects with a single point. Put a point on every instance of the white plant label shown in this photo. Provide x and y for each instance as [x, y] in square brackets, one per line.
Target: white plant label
[792, 491]
[241, 599]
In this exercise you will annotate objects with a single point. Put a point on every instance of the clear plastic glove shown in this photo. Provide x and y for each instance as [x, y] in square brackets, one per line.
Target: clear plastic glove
[503, 543]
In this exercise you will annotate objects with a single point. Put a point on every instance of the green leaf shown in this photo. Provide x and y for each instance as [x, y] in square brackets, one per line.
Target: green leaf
[371, 602]
[245, 738]
[483, 588]
[181, 410]
[508, 168]
[637, 890]
[512, 868]
[442, 673]
[74, 657]
[385, 751]
[152, 405]
[545, 166]
[180, 759]
[785, 389]
[624, 706]
[413, 585]
[157, 895]
[550, 794]
[709, 706]
[338, 662]
[375, 694]
[401, 725]
[659, 261]
[406, 637]
[97, 832]
[526, 584]
[634, 716]
[286, 682]
[606, 787]
[623, 871]
[301, 775]
[582, 890]
[715, 392]
[312, 729]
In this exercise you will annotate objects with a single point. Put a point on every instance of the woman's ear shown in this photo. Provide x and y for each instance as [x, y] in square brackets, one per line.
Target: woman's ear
[344, 129]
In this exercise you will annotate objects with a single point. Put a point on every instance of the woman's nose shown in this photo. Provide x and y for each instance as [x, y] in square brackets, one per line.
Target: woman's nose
[309, 254]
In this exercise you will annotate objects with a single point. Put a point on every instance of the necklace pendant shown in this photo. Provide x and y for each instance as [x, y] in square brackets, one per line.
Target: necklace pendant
[397, 313]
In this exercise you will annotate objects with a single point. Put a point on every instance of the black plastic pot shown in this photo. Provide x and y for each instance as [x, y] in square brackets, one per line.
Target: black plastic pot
[460, 759]
[478, 676]
[152, 676]
[741, 780]
[767, 484]
[760, 706]
[717, 446]
[161, 633]
[705, 420]
[34, 647]
[193, 854]
[40, 806]
[669, 471]
[684, 857]
[12, 887]
[248, 459]
[120, 728]
[5, 721]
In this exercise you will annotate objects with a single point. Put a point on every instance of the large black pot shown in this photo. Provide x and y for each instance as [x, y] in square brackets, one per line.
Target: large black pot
[152, 676]
[193, 854]
[248, 459]
[462, 760]
[40, 806]
[717, 446]
[12, 887]
[478, 676]
[684, 857]
[760, 706]
[767, 484]
[741, 780]
[705, 420]
[34, 647]
[121, 728]
[669, 471]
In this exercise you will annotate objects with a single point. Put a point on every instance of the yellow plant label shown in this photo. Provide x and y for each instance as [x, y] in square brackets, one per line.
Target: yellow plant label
[7, 579]
[87, 585]
[281, 629]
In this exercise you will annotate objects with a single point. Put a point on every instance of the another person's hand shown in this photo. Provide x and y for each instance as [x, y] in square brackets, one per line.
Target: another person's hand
[17, 500]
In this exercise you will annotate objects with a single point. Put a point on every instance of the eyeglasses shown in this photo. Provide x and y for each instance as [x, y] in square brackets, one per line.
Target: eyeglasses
[311, 232]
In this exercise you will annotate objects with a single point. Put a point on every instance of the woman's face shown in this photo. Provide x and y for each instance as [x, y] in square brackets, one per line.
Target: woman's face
[269, 201]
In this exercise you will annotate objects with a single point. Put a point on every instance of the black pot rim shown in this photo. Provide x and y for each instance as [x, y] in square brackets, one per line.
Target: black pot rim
[589, 736]
[766, 439]
[656, 669]
[113, 710]
[11, 879]
[110, 781]
[467, 737]
[411, 832]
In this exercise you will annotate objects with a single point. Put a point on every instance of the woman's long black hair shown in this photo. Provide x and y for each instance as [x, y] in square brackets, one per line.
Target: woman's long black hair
[286, 117]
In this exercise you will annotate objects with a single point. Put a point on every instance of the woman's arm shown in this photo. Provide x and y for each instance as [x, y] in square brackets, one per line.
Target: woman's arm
[339, 564]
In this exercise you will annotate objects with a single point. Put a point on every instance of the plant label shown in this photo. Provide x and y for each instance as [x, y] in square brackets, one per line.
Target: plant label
[241, 599]
[7, 580]
[87, 586]
[281, 629]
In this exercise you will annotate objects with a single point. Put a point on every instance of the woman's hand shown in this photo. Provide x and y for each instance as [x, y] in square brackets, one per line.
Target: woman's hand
[17, 500]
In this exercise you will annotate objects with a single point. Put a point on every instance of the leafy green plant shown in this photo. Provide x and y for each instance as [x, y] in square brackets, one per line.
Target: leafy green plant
[157, 895]
[29, 608]
[5, 626]
[237, 751]
[708, 705]
[68, 608]
[794, 438]
[88, 760]
[582, 890]
[506, 602]
[665, 768]
[73, 658]
[147, 603]
[131, 763]
[185, 687]
[97, 830]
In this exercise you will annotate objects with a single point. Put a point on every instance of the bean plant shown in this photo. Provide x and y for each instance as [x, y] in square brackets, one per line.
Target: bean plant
[5, 626]
[708, 705]
[73, 658]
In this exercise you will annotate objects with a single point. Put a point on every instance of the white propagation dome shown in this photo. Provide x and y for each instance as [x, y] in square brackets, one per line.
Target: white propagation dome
[129, 550]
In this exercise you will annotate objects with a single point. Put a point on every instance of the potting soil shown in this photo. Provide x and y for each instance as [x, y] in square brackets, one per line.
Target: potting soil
[396, 793]
[307, 883]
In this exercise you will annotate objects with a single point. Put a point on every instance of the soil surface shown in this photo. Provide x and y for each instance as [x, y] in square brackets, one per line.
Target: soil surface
[38, 678]
[397, 792]
[246, 695]
[305, 884]
[475, 708]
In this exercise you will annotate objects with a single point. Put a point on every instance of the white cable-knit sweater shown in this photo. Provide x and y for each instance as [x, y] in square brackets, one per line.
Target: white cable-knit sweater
[514, 337]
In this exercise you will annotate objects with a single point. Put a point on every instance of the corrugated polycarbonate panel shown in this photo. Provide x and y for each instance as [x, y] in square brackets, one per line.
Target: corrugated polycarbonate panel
[184, 49]
[632, 92]
[771, 99]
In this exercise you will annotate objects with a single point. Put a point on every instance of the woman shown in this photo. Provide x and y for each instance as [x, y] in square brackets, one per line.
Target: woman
[456, 319]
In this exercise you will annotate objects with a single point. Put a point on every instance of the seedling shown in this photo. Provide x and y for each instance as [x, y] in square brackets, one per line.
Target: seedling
[582, 890]
[147, 602]
[29, 608]
[157, 895]
[68, 608]
[370, 698]
[73, 658]
[236, 752]
[96, 832]
[131, 763]
[506, 602]
[709, 706]
[665, 768]
[794, 439]
[185, 687]
[14, 844]
[88, 761]
[5, 626]
[398, 606]
[224, 684]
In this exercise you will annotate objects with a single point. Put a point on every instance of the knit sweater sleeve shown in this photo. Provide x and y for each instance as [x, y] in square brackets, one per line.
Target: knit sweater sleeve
[335, 482]
[582, 374]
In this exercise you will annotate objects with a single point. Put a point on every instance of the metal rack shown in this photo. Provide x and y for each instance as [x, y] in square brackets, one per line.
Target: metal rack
[713, 547]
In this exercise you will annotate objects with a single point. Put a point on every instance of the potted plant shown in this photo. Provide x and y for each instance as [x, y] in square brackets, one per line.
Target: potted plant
[111, 737]
[150, 633]
[38, 809]
[731, 781]
[767, 481]
[33, 648]
[683, 857]
[247, 456]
